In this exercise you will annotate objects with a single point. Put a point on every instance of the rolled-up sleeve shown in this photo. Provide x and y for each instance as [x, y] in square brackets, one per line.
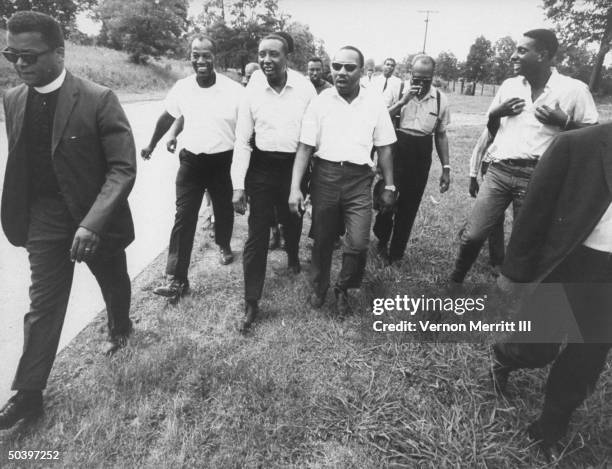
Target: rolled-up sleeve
[242, 146]
[309, 134]
[384, 133]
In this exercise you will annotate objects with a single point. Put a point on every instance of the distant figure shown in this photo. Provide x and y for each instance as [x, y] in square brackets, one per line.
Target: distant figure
[249, 69]
[340, 127]
[366, 80]
[529, 110]
[70, 168]
[424, 117]
[563, 237]
[315, 73]
[388, 84]
[205, 160]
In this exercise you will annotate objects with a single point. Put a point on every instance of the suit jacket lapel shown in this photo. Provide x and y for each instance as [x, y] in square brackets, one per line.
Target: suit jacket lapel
[65, 103]
[606, 154]
[18, 114]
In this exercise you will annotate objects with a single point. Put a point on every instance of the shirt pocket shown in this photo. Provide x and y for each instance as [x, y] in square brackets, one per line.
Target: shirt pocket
[428, 122]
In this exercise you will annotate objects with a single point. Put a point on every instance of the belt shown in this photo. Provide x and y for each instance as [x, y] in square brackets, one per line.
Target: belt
[342, 163]
[517, 162]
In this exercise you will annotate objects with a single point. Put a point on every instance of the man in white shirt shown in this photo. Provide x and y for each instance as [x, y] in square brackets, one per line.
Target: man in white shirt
[562, 243]
[208, 103]
[340, 127]
[273, 108]
[387, 84]
[530, 109]
[424, 116]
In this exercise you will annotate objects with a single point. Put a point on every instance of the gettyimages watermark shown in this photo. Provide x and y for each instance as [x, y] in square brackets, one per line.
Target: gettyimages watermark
[543, 314]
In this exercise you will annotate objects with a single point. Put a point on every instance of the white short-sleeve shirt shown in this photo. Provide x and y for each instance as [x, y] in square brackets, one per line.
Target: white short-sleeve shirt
[345, 132]
[523, 136]
[210, 113]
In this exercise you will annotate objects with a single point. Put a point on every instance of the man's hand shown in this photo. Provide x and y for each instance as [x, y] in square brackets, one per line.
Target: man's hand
[296, 202]
[549, 116]
[84, 245]
[510, 107]
[239, 201]
[413, 91]
[145, 153]
[387, 200]
[171, 145]
[474, 188]
[444, 180]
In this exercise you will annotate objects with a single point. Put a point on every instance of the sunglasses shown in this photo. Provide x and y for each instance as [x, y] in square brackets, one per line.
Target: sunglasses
[28, 58]
[348, 67]
[420, 81]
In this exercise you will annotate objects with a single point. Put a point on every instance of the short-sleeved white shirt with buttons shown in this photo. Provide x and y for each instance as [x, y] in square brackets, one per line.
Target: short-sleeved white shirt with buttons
[523, 136]
[342, 131]
[210, 113]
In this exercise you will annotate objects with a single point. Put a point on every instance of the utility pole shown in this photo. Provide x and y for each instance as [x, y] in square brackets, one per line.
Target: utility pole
[427, 12]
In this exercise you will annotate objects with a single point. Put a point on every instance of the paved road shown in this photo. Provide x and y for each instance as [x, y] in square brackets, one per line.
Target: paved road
[152, 202]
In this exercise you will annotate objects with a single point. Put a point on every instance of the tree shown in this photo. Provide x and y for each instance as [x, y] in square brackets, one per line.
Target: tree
[479, 60]
[501, 68]
[64, 11]
[143, 28]
[575, 60]
[304, 45]
[446, 66]
[584, 22]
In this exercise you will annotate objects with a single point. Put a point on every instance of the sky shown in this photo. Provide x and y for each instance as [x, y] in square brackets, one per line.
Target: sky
[395, 28]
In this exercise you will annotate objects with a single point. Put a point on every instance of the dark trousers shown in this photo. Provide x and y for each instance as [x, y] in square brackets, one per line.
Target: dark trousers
[267, 184]
[340, 192]
[411, 163]
[496, 238]
[585, 277]
[196, 174]
[50, 237]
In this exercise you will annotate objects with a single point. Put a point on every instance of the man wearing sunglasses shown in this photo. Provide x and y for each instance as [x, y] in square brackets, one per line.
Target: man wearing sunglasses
[208, 104]
[423, 118]
[340, 127]
[70, 168]
[273, 108]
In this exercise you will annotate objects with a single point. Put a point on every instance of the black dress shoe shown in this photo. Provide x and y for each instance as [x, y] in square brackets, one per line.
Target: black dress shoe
[275, 240]
[225, 256]
[547, 434]
[23, 405]
[250, 314]
[294, 267]
[315, 300]
[174, 289]
[342, 307]
[115, 342]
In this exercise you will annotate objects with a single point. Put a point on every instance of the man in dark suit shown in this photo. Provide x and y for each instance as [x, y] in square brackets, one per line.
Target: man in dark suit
[562, 241]
[70, 168]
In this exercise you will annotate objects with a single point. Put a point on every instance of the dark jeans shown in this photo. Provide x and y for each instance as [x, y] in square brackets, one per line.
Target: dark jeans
[267, 184]
[50, 236]
[411, 164]
[340, 192]
[496, 238]
[503, 185]
[196, 174]
[585, 277]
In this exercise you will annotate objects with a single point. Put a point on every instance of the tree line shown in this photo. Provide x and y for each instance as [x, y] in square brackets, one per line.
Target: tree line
[148, 29]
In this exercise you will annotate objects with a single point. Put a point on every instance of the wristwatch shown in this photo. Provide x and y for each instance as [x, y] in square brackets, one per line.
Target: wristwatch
[390, 188]
[446, 166]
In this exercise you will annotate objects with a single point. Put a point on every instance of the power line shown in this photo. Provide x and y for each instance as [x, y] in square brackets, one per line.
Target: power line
[427, 12]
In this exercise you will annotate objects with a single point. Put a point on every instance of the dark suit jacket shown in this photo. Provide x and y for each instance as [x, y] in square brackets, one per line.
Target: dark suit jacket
[569, 191]
[94, 158]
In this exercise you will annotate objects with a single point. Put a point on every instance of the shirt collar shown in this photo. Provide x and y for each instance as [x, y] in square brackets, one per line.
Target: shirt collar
[54, 85]
[291, 80]
[552, 79]
[359, 97]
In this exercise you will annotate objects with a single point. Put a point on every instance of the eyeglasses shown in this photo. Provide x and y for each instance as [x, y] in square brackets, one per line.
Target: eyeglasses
[420, 81]
[348, 67]
[29, 58]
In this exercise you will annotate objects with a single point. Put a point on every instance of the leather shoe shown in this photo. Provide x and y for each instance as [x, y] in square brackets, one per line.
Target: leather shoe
[174, 289]
[115, 342]
[315, 300]
[275, 241]
[250, 314]
[23, 405]
[225, 256]
[547, 434]
[294, 268]
[342, 308]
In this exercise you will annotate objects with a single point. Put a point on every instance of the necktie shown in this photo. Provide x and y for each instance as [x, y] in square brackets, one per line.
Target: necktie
[385, 87]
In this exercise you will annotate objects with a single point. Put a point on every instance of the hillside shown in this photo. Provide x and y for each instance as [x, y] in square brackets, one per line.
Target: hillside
[108, 67]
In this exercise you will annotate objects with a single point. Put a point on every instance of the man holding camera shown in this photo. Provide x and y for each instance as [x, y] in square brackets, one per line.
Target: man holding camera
[423, 113]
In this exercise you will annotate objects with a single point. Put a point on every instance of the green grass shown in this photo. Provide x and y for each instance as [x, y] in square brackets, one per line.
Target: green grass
[303, 390]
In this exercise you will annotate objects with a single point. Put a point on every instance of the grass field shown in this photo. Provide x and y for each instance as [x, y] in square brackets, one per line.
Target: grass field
[303, 390]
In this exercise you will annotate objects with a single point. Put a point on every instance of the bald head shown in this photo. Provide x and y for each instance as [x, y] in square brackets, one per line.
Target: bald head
[249, 69]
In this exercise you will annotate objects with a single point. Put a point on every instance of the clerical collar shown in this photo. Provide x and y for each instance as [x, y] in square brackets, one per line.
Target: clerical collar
[54, 85]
